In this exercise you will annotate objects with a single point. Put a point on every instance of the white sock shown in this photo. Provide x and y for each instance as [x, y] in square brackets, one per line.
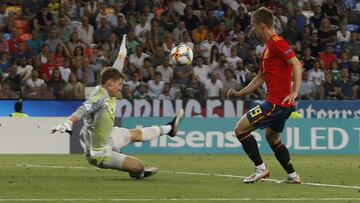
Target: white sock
[261, 166]
[150, 133]
[292, 175]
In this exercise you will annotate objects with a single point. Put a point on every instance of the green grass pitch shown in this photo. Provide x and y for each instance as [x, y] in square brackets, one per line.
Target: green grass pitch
[27, 178]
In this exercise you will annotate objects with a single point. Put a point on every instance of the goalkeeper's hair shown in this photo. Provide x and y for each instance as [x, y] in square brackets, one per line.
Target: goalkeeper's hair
[111, 74]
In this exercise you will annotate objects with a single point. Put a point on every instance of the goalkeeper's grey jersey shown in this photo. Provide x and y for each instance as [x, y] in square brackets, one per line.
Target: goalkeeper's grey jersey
[98, 113]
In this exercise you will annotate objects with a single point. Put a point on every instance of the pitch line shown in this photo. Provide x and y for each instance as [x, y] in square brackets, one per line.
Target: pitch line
[197, 174]
[180, 199]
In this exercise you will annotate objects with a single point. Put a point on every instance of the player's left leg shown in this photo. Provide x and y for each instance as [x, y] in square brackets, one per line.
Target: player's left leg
[281, 153]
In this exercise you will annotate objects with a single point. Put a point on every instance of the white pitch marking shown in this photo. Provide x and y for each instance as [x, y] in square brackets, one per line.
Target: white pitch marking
[180, 199]
[196, 174]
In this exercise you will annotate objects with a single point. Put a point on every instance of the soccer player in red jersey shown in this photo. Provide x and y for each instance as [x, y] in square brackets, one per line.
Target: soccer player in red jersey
[279, 67]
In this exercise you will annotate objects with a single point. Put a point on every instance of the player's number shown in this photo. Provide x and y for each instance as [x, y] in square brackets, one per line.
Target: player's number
[255, 111]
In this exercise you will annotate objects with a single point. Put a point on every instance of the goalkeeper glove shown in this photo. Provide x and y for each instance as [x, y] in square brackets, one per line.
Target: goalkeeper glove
[66, 127]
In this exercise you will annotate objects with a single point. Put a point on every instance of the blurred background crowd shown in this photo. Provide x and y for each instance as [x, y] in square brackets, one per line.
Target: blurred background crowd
[55, 49]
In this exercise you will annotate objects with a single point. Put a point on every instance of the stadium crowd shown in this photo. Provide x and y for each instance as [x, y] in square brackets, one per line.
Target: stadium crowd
[56, 49]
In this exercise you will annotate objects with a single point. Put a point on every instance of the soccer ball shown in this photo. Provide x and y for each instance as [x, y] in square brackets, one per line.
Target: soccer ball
[181, 55]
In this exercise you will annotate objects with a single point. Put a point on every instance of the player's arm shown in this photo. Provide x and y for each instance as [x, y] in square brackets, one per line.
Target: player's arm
[297, 69]
[120, 59]
[86, 108]
[252, 86]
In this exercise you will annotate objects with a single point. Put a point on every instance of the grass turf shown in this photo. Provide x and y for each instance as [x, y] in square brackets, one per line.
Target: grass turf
[18, 181]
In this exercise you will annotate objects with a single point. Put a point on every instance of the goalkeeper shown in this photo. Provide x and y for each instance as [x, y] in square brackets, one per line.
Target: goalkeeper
[103, 141]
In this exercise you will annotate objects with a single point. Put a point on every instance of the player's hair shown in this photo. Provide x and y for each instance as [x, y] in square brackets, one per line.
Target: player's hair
[264, 15]
[111, 74]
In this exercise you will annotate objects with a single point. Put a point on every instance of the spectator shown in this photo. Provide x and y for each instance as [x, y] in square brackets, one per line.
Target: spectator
[280, 20]
[156, 33]
[314, 45]
[179, 6]
[86, 31]
[166, 93]
[234, 58]
[169, 43]
[44, 18]
[229, 18]
[64, 29]
[179, 30]
[330, 10]
[201, 71]
[220, 32]
[147, 71]
[229, 81]
[42, 57]
[35, 43]
[206, 45]
[315, 20]
[318, 77]
[24, 69]
[166, 70]
[156, 85]
[33, 84]
[14, 79]
[187, 40]
[4, 62]
[330, 92]
[57, 84]
[199, 34]
[126, 92]
[307, 88]
[157, 58]
[142, 92]
[343, 35]
[307, 60]
[87, 73]
[211, 21]
[241, 75]
[22, 52]
[346, 88]
[53, 41]
[44, 93]
[142, 29]
[225, 47]
[78, 58]
[134, 82]
[335, 72]
[46, 69]
[291, 33]
[242, 46]
[327, 57]
[121, 28]
[74, 89]
[344, 61]
[169, 17]
[74, 42]
[191, 20]
[131, 42]
[243, 18]
[326, 33]
[354, 71]
[214, 57]
[6, 92]
[300, 18]
[103, 32]
[138, 57]
[214, 88]
[251, 62]
[353, 45]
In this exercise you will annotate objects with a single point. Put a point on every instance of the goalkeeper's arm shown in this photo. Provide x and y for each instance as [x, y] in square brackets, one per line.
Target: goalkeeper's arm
[120, 59]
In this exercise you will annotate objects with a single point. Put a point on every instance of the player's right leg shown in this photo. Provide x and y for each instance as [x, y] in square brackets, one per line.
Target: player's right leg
[117, 161]
[243, 133]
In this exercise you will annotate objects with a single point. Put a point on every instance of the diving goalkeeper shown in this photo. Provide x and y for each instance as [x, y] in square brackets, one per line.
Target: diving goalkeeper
[103, 141]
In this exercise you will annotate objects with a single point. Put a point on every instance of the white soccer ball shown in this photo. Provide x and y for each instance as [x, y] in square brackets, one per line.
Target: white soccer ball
[181, 55]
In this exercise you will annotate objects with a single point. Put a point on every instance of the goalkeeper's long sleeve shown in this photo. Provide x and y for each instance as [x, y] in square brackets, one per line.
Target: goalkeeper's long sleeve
[120, 59]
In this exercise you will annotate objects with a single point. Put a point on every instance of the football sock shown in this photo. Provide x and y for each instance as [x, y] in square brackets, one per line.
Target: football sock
[283, 156]
[250, 147]
[150, 133]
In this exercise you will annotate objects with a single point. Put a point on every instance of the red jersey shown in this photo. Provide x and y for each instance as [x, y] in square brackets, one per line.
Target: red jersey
[277, 72]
